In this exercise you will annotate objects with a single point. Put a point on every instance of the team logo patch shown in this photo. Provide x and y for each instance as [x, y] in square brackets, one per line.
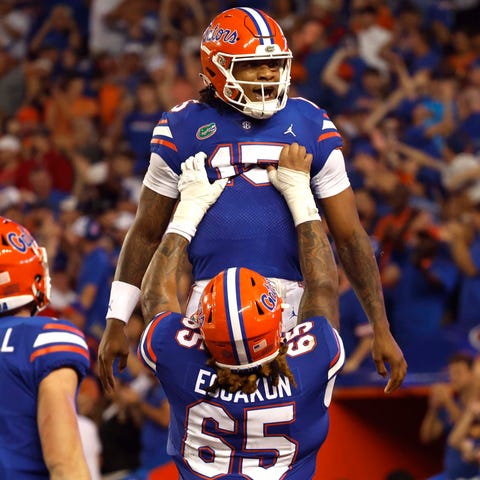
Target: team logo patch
[206, 131]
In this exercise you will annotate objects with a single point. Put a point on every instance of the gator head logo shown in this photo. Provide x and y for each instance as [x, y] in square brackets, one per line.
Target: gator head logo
[206, 131]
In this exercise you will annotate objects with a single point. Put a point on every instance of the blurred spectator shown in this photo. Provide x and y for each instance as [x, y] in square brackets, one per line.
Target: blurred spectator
[367, 210]
[136, 21]
[393, 230]
[120, 438]
[66, 107]
[465, 435]
[10, 151]
[131, 69]
[59, 31]
[106, 82]
[370, 37]
[136, 126]
[421, 296]
[64, 301]
[463, 237]
[12, 84]
[94, 275]
[353, 92]
[14, 26]
[44, 194]
[468, 105]
[445, 405]
[104, 38]
[312, 52]
[41, 153]
[173, 77]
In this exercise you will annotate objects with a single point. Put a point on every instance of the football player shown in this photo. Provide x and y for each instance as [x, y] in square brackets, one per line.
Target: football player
[244, 403]
[240, 124]
[42, 361]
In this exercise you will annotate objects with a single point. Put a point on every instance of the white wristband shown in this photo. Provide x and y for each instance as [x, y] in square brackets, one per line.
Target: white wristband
[185, 231]
[123, 300]
[294, 185]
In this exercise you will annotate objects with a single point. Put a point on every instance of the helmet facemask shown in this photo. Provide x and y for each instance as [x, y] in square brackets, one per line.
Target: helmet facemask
[234, 93]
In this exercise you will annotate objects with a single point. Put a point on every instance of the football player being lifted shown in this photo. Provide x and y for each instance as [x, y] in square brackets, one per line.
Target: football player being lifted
[239, 125]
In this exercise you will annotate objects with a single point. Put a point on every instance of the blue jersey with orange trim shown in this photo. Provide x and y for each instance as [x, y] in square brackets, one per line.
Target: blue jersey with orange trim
[271, 434]
[250, 224]
[30, 349]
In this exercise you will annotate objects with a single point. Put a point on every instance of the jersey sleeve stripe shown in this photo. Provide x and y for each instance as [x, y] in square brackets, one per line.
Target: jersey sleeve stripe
[328, 124]
[325, 136]
[59, 348]
[164, 131]
[141, 354]
[165, 143]
[337, 362]
[145, 347]
[59, 337]
[60, 326]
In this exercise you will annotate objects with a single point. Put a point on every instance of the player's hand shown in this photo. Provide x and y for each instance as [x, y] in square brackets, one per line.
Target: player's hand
[385, 350]
[197, 194]
[194, 184]
[293, 170]
[292, 180]
[295, 157]
[114, 344]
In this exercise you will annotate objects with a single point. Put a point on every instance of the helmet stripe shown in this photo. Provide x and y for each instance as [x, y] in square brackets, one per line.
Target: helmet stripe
[263, 28]
[234, 318]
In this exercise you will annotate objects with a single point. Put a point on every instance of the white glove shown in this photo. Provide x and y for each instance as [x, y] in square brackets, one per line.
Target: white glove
[197, 194]
[295, 188]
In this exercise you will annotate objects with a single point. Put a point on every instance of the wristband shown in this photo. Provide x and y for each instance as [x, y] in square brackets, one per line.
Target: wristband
[295, 188]
[185, 231]
[123, 300]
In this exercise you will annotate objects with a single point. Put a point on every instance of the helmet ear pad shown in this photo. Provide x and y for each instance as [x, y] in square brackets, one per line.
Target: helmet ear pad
[240, 318]
[24, 273]
[241, 34]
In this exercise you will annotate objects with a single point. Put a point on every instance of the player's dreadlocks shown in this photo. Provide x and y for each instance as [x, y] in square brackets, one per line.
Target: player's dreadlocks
[208, 96]
[246, 381]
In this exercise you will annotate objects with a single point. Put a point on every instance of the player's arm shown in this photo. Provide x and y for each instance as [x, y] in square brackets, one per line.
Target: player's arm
[153, 214]
[159, 290]
[292, 179]
[57, 425]
[358, 260]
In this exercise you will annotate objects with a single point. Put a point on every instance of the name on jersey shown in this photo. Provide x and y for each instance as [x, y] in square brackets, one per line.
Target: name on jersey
[264, 392]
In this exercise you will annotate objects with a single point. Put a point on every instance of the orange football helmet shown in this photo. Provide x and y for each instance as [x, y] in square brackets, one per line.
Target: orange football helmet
[240, 318]
[238, 35]
[24, 274]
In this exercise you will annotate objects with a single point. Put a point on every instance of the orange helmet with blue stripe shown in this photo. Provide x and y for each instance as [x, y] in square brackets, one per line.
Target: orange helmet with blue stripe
[239, 35]
[24, 274]
[240, 318]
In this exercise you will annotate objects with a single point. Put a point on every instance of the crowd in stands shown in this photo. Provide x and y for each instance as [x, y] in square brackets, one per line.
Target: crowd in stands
[83, 83]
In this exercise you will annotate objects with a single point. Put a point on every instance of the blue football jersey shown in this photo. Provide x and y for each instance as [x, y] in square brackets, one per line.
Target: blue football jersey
[250, 224]
[30, 349]
[271, 434]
